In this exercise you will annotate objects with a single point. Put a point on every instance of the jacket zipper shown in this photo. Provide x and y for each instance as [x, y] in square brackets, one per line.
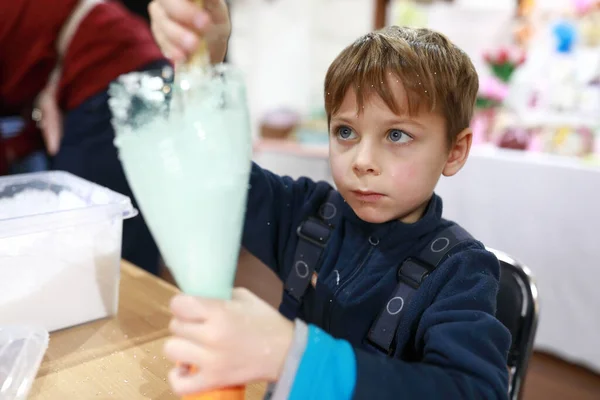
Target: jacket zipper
[345, 283]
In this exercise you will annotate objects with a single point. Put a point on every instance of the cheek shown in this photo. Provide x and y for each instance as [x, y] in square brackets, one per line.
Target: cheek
[340, 160]
[336, 165]
[404, 174]
[414, 177]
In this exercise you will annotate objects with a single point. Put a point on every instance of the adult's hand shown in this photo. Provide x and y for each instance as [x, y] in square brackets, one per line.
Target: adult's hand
[178, 25]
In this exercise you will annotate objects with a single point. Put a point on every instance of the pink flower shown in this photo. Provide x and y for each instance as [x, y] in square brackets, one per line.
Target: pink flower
[493, 88]
[503, 56]
[512, 55]
[583, 6]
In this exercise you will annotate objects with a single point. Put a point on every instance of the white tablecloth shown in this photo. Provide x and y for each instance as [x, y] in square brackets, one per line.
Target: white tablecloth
[542, 210]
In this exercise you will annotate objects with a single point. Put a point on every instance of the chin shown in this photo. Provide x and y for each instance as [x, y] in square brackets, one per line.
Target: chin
[371, 214]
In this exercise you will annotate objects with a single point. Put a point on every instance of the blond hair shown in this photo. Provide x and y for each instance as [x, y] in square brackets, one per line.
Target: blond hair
[435, 73]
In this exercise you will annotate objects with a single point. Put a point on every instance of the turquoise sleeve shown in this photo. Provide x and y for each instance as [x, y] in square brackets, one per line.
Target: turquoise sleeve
[327, 370]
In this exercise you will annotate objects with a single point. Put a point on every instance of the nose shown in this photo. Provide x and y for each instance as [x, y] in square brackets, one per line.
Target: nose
[365, 162]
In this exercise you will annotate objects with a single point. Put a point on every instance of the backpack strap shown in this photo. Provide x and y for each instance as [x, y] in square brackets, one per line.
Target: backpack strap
[47, 101]
[313, 235]
[411, 274]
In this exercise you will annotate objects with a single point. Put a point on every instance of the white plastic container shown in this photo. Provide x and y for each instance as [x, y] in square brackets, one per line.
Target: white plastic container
[22, 349]
[60, 249]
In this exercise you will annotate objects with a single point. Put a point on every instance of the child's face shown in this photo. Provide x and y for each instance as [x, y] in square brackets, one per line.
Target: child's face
[387, 165]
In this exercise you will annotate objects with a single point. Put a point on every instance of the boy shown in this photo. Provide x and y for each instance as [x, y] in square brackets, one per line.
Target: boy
[374, 316]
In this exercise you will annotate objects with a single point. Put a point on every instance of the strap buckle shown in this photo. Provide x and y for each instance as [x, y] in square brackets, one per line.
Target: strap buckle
[413, 272]
[314, 231]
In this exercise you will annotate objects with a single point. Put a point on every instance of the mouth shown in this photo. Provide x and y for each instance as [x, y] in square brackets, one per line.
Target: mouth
[367, 196]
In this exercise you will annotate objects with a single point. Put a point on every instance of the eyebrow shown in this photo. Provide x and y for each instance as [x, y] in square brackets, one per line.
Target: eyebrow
[342, 119]
[390, 121]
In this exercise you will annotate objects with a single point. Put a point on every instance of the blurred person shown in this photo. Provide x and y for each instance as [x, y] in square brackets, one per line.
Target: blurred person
[138, 7]
[57, 59]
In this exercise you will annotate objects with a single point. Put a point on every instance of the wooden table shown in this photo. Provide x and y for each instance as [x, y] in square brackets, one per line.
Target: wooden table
[119, 357]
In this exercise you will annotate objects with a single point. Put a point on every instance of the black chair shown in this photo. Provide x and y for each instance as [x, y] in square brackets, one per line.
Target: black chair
[518, 310]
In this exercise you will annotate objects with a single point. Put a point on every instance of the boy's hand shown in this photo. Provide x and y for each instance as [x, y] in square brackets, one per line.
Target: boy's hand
[229, 342]
[177, 26]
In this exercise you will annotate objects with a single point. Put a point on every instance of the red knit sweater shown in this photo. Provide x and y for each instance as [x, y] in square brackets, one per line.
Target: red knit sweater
[109, 42]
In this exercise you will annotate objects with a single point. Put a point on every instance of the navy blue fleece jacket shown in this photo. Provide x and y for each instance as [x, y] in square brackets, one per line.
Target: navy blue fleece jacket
[449, 343]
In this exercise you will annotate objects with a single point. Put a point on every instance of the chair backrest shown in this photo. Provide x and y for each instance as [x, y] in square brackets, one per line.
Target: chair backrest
[518, 310]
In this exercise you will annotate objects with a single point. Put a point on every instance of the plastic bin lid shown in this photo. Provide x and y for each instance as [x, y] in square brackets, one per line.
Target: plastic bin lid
[74, 192]
[51, 200]
[22, 349]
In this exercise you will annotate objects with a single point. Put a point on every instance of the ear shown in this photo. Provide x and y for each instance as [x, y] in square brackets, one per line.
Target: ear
[459, 152]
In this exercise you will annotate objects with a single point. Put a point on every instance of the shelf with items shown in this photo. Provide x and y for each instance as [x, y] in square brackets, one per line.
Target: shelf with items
[292, 147]
[549, 100]
[292, 133]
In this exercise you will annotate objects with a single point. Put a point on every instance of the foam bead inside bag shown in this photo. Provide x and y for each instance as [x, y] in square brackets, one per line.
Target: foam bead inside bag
[60, 249]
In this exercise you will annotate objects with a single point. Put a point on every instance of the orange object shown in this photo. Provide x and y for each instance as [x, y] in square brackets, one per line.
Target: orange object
[232, 393]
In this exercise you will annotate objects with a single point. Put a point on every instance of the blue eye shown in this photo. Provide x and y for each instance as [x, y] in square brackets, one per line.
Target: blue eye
[345, 133]
[399, 136]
